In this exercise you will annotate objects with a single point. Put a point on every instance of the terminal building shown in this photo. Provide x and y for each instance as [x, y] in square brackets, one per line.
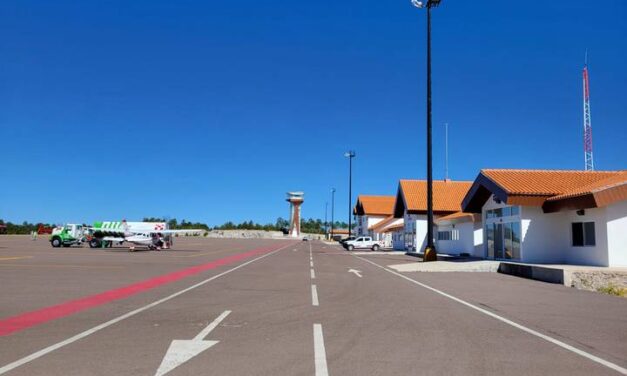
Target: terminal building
[552, 216]
[411, 205]
[530, 216]
[369, 211]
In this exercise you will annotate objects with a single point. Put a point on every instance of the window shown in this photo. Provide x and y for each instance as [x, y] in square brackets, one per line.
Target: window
[583, 234]
[448, 235]
[444, 235]
[506, 211]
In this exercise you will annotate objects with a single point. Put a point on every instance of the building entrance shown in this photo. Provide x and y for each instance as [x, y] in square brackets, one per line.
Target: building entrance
[503, 233]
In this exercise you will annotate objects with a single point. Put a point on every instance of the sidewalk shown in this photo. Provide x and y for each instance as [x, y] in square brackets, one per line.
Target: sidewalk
[593, 278]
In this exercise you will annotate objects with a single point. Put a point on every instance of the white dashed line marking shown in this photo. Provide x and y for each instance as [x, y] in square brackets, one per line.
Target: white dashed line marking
[320, 354]
[314, 296]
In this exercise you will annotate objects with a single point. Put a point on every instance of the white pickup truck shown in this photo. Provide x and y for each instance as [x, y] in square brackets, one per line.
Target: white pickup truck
[362, 242]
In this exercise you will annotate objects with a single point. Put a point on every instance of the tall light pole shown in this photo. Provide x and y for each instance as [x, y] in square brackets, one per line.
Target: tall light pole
[430, 251]
[332, 210]
[350, 155]
[326, 224]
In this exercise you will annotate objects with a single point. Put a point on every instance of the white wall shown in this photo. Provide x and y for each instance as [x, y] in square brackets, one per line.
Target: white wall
[373, 220]
[421, 233]
[364, 222]
[617, 233]
[479, 249]
[545, 236]
[470, 239]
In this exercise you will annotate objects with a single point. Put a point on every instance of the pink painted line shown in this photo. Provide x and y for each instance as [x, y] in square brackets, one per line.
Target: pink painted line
[29, 319]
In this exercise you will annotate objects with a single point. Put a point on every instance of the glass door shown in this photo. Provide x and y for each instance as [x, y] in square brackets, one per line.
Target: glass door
[503, 240]
[489, 229]
[498, 240]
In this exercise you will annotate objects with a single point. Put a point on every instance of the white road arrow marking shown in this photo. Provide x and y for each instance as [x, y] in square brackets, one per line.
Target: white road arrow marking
[357, 272]
[180, 351]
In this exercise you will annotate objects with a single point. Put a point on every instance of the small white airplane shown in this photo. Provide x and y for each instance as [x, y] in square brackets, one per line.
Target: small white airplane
[154, 236]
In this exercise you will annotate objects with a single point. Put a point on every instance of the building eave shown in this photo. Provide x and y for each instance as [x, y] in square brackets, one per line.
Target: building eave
[479, 193]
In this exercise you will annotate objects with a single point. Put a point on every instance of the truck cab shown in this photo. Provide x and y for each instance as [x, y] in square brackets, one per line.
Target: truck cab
[362, 242]
[67, 235]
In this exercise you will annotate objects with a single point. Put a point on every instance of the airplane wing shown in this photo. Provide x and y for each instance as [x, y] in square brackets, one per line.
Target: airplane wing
[185, 231]
[176, 231]
[113, 239]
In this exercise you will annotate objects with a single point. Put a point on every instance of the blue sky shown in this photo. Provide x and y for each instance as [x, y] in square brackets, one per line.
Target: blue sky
[212, 110]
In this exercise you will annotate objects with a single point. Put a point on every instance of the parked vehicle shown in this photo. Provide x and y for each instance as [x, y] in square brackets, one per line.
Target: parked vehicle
[342, 241]
[362, 242]
[67, 235]
[43, 230]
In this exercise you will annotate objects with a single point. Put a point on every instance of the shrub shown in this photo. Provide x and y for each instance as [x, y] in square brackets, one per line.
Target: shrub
[612, 289]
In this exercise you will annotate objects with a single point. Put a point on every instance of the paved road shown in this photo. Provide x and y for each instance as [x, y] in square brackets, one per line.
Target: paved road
[288, 308]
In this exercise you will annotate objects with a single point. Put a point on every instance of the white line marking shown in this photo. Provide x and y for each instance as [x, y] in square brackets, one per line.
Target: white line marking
[314, 296]
[205, 332]
[311, 264]
[559, 343]
[181, 351]
[97, 328]
[313, 274]
[320, 354]
[356, 272]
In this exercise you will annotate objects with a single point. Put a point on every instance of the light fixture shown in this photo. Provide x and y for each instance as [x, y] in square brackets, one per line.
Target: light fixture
[430, 3]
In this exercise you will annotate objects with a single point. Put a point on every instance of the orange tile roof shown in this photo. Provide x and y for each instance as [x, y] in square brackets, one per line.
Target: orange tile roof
[447, 194]
[457, 217]
[382, 223]
[613, 181]
[375, 205]
[544, 182]
[394, 228]
[553, 190]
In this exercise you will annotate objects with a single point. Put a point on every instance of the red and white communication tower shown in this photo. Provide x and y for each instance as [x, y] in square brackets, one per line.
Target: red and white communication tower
[587, 123]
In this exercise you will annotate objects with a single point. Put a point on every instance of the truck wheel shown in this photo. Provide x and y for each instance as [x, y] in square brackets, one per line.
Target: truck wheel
[375, 247]
[56, 242]
[94, 243]
[350, 247]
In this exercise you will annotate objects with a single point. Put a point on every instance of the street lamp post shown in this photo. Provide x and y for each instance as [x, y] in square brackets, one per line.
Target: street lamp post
[326, 224]
[350, 155]
[332, 210]
[430, 251]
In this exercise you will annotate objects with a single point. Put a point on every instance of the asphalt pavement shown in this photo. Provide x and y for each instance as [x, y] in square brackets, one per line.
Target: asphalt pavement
[284, 307]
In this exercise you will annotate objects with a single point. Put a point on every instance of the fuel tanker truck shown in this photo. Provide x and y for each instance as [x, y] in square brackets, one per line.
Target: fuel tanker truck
[104, 234]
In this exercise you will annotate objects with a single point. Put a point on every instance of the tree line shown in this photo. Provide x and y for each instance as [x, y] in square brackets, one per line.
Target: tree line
[21, 229]
[311, 225]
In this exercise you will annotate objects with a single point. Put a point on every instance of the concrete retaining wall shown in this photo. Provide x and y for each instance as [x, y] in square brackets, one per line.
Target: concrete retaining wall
[255, 234]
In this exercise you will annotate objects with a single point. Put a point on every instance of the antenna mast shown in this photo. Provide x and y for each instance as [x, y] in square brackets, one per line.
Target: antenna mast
[587, 123]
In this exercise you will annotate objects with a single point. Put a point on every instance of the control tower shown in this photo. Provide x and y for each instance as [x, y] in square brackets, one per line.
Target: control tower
[295, 199]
